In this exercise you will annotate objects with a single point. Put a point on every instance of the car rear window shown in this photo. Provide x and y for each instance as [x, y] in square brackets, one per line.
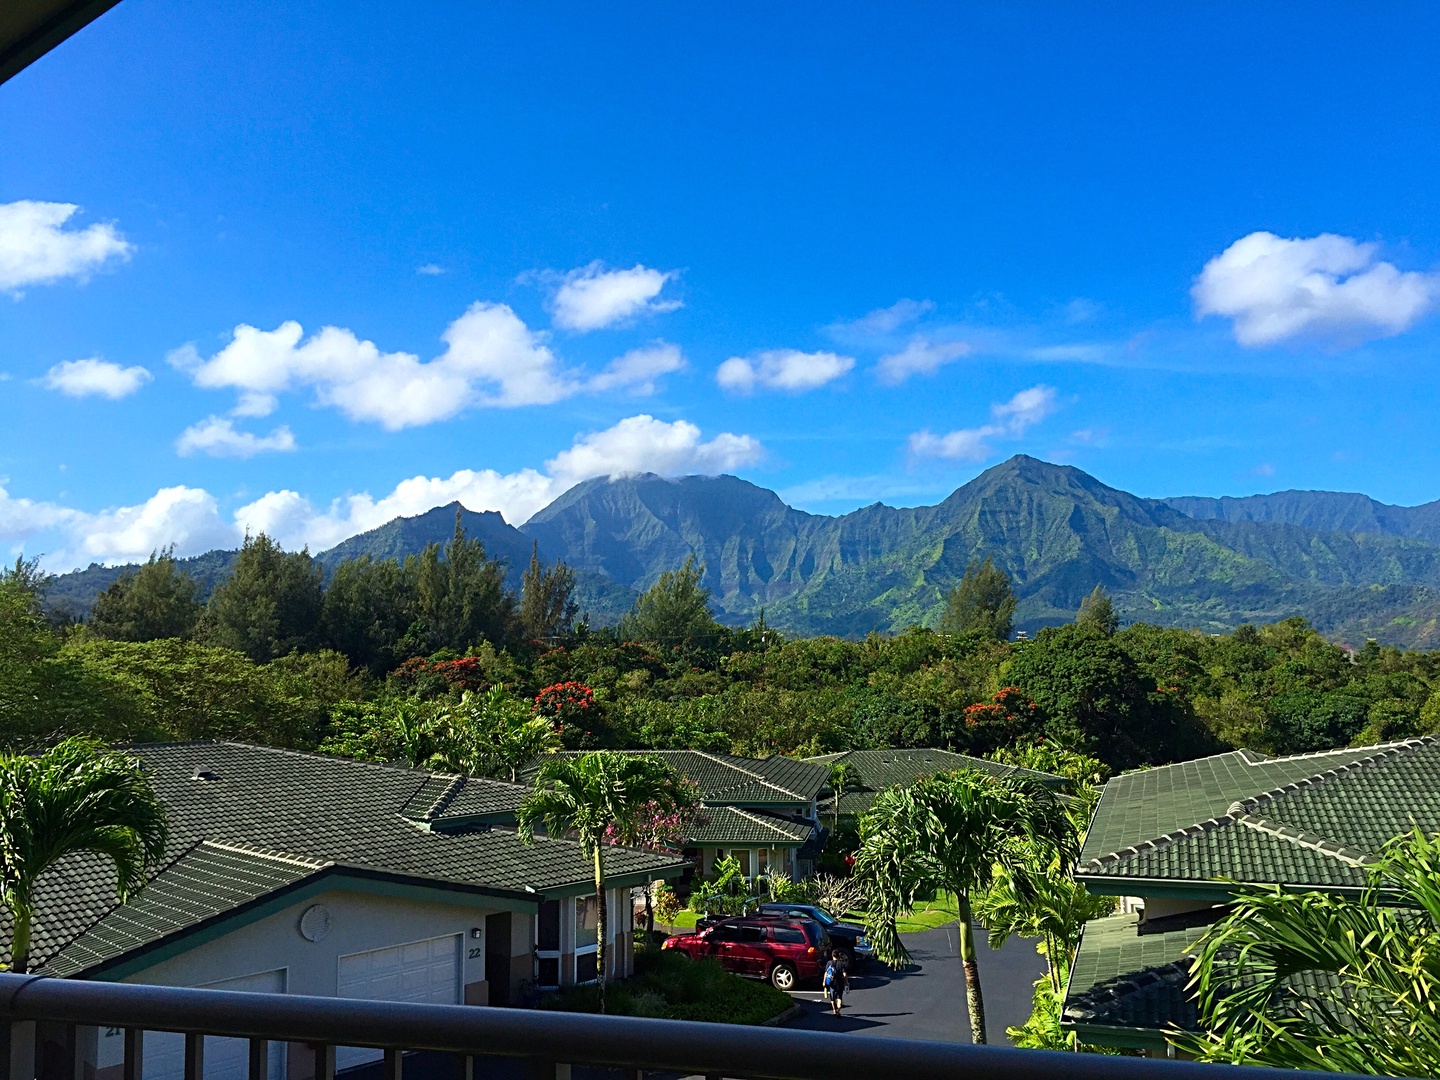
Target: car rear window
[813, 932]
[790, 935]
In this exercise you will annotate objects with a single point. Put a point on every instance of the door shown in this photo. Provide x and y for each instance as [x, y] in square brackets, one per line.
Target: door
[424, 972]
[753, 950]
[724, 943]
[497, 956]
[225, 1059]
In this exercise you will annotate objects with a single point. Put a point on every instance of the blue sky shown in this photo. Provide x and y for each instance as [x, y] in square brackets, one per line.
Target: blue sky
[849, 252]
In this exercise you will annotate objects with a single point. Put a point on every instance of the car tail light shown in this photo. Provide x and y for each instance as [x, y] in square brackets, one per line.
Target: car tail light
[810, 951]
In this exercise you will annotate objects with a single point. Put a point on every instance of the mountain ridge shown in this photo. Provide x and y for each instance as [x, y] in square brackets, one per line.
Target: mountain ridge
[1055, 529]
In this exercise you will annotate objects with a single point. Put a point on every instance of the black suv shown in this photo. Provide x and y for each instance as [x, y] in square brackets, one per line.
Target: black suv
[844, 937]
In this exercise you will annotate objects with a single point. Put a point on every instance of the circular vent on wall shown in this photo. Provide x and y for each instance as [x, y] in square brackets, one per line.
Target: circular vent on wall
[315, 922]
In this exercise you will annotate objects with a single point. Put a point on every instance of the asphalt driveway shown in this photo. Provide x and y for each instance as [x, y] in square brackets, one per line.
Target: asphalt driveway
[927, 1000]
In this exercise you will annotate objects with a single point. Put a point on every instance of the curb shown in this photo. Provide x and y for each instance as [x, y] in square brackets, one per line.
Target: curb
[780, 1018]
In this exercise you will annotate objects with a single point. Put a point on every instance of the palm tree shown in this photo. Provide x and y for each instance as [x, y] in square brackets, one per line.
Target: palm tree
[1043, 902]
[76, 796]
[1375, 960]
[951, 832]
[591, 796]
[843, 774]
[494, 735]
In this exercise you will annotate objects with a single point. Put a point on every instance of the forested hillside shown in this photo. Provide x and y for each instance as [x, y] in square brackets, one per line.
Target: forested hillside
[435, 659]
[1355, 568]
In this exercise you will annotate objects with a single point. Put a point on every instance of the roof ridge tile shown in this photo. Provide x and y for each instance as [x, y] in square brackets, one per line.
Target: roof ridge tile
[1158, 843]
[272, 854]
[1386, 753]
[1302, 838]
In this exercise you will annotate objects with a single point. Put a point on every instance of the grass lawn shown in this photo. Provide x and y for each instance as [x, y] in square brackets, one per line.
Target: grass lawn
[685, 920]
[929, 914]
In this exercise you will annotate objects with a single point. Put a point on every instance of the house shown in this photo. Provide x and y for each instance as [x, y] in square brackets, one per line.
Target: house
[882, 769]
[1176, 839]
[760, 811]
[297, 873]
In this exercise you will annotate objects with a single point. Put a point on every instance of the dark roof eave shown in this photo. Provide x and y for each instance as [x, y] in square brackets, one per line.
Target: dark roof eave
[1194, 889]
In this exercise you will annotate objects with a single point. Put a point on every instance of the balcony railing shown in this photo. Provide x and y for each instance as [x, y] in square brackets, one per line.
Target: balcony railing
[548, 1044]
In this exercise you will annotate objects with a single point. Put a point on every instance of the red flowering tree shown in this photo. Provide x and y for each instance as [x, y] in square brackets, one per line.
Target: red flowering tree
[1002, 721]
[660, 825]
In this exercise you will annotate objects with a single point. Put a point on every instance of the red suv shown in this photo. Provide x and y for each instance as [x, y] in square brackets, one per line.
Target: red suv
[784, 951]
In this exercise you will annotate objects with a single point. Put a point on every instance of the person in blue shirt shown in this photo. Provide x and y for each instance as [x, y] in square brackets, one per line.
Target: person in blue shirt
[837, 978]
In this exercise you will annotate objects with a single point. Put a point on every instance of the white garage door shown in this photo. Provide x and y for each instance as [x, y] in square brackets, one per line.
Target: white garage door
[225, 1059]
[425, 972]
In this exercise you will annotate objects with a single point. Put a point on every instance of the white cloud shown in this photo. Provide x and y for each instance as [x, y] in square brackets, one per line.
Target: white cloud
[1009, 420]
[186, 517]
[218, 437]
[37, 249]
[638, 369]
[1277, 290]
[644, 444]
[782, 369]
[491, 359]
[592, 298]
[190, 518]
[881, 323]
[430, 270]
[920, 356]
[84, 378]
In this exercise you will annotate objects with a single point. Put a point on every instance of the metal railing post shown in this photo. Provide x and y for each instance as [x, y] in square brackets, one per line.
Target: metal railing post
[57, 1051]
[259, 1059]
[194, 1056]
[393, 1067]
[324, 1061]
[7, 1043]
[134, 1066]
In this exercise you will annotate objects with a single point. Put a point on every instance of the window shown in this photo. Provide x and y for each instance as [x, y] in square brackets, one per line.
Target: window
[762, 865]
[725, 932]
[587, 935]
[587, 923]
[750, 933]
[743, 858]
[790, 935]
[547, 944]
[585, 967]
[548, 931]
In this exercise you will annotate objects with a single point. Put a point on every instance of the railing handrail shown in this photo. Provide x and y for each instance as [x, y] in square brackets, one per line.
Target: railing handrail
[574, 1038]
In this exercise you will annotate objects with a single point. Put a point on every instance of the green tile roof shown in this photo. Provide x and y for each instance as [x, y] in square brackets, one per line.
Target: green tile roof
[881, 769]
[311, 810]
[1314, 830]
[1122, 978]
[727, 779]
[443, 798]
[725, 825]
[1140, 806]
[207, 881]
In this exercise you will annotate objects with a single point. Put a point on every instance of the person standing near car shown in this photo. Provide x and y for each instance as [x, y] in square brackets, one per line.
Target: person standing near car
[837, 978]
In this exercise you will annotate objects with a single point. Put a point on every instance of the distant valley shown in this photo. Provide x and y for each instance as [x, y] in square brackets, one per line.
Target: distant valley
[1355, 567]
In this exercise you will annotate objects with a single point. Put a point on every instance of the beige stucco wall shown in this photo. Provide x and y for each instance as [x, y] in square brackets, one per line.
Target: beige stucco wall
[359, 922]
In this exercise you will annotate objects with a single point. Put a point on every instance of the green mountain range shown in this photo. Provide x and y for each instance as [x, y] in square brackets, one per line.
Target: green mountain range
[1355, 567]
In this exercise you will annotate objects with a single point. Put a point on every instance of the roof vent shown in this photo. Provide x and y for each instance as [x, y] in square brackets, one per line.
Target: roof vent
[204, 772]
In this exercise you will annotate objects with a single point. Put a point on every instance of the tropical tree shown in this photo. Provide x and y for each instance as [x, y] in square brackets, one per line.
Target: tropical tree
[675, 610]
[953, 832]
[983, 601]
[1375, 958]
[155, 601]
[75, 797]
[588, 795]
[843, 776]
[1097, 611]
[547, 599]
[494, 734]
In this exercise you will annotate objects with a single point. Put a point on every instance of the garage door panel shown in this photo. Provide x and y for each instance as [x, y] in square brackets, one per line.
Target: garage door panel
[423, 972]
[163, 1052]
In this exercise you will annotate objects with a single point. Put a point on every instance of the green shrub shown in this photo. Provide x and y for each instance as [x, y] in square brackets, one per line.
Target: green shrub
[669, 986]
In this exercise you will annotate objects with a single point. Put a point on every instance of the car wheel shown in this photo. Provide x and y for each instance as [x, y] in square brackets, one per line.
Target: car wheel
[782, 977]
